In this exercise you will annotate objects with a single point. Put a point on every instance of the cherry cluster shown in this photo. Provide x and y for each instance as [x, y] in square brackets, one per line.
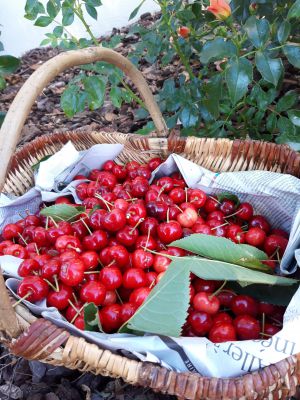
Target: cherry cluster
[117, 250]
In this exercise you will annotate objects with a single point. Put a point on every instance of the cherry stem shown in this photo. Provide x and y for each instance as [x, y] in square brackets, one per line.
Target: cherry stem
[152, 284]
[72, 305]
[132, 199]
[107, 203]
[92, 272]
[168, 214]
[78, 311]
[22, 238]
[180, 209]
[186, 195]
[99, 261]
[219, 226]
[22, 298]
[86, 225]
[216, 200]
[128, 195]
[56, 283]
[265, 334]
[51, 285]
[217, 291]
[77, 249]
[118, 296]
[148, 237]
[47, 223]
[232, 215]
[136, 225]
[111, 263]
[37, 249]
[161, 191]
[74, 297]
[54, 222]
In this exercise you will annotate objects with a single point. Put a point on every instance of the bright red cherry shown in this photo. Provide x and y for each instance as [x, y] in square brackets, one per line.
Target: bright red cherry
[63, 200]
[74, 310]
[275, 244]
[166, 184]
[151, 278]
[235, 233]
[72, 272]
[258, 221]
[243, 304]
[28, 267]
[34, 288]
[211, 204]
[222, 332]
[111, 277]
[115, 255]
[110, 317]
[127, 236]
[222, 317]
[65, 242]
[154, 163]
[60, 299]
[93, 292]
[15, 250]
[121, 204]
[11, 231]
[51, 269]
[205, 302]
[178, 195]
[245, 211]
[140, 186]
[79, 323]
[119, 172]
[247, 327]
[134, 278]
[142, 259]
[108, 165]
[81, 190]
[145, 241]
[168, 232]
[135, 213]
[110, 298]
[255, 237]
[201, 322]
[90, 259]
[218, 215]
[127, 311]
[40, 236]
[138, 296]
[227, 207]
[197, 197]
[161, 263]
[96, 241]
[4, 245]
[114, 221]
[149, 225]
[202, 228]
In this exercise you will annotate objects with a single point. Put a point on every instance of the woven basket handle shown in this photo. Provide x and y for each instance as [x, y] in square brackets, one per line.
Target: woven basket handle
[21, 106]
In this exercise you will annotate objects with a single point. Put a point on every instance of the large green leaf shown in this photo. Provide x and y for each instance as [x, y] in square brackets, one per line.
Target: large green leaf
[62, 212]
[283, 31]
[271, 69]
[258, 30]
[165, 310]
[136, 10]
[217, 49]
[91, 10]
[43, 21]
[287, 101]
[222, 249]
[287, 130]
[95, 89]
[67, 13]
[294, 11]
[292, 52]
[294, 116]
[238, 76]
[8, 64]
[72, 101]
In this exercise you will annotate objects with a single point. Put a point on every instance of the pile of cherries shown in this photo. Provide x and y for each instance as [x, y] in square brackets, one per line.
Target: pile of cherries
[116, 251]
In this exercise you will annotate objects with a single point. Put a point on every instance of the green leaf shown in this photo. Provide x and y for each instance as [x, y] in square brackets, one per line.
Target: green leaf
[292, 52]
[94, 3]
[72, 101]
[35, 166]
[68, 14]
[287, 101]
[238, 76]
[91, 11]
[2, 83]
[95, 89]
[45, 42]
[53, 8]
[283, 32]
[62, 212]
[294, 11]
[294, 116]
[230, 196]
[271, 69]
[58, 31]
[222, 249]
[43, 21]
[91, 318]
[2, 116]
[136, 10]
[217, 49]
[286, 128]
[258, 30]
[189, 116]
[115, 95]
[271, 123]
[8, 64]
[165, 310]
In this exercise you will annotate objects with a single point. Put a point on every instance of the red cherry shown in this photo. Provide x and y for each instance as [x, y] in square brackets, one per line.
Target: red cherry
[111, 277]
[68, 255]
[93, 292]
[201, 322]
[222, 317]
[63, 200]
[11, 231]
[134, 278]
[28, 267]
[34, 288]
[79, 177]
[15, 250]
[255, 237]
[119, 172]
[197, 197]
[91, 202]
[40, 236]
[245, 211]
[151, 278]
[222, 332]
[161, 263]
[127, 236]
[132, 165]
[166, 184]
[4, 245]
[176, 251]
[42, 259]
[243, 304]
[227, 206]
[110, 317]
[275, 244]
[79, 323]
[206, 303]
[202, 285]
[96, 218]
[217, 228]
[258, 221]
[211, 204]
[110, 298]
[157, 209]
[142, 259]
[149, 225]
[177, 195]
[81, 190]
[154, 163]
[71, 311]
[115, 255]
[144, 241]
[65, 242]
[135, 213]
[96, 241]
[140, 186]
[266, 308]
[138, 296]
[107, 179]
[60, 299]
[226, 298]
[114, 220]
[108, 165]
[72, 272]
[90, 259]
[169, 231]
[121, 204]
[202, 228]
[127, 311]
[270, 330]
[279, 232]
[235, 233]
[51, 269]
[187, 218]
[247, 327]
[218, 215]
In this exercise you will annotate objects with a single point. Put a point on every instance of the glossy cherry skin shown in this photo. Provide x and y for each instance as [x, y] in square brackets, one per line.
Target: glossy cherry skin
[119, 172]
[149, 225]
[93, 292]
[154, 163]
[211, 204]
[28, 267]
[81, 190]
[108, 165]
[168, 232]
[96, 218]
[127, 236]
[260, 222]
[226, 298]
[107, 179]
[4, 245]
[270, 330]
[51, 269]
[144, 242]
[97, 241]
[245, 211]
[166, 184]
[121, 204]
[158, 210]
[115, 255]
[142, 259]
[11, 231]
[266, 308]
[90, 259]
[72, 272]
[206, 303]
[79, 323]
[235, 233]
[134, 278]
[127, 311]
[203, 285]
[222, 317]
[138, 296]
[197, 197]
[34, 285]
[110, 298]
[16, 250]
[67, 242]
[114, 220]
[161, 263]
[202, 228]
[111, 277]
[135, 213]
[110, 318]
[255, 236]
[60, 299]
[274, 244]
[243, 304]
[201, 322]
[247, 327]
[187, 218]
[40, 236]
[140, 186]
[71, 312]
[151, 278]
[218, 215]
[222, 332]
[227, 207]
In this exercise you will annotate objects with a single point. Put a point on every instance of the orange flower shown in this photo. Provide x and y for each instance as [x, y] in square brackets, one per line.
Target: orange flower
[220, 8]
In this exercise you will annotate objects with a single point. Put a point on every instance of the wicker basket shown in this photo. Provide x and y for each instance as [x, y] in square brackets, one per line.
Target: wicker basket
[38, 339]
